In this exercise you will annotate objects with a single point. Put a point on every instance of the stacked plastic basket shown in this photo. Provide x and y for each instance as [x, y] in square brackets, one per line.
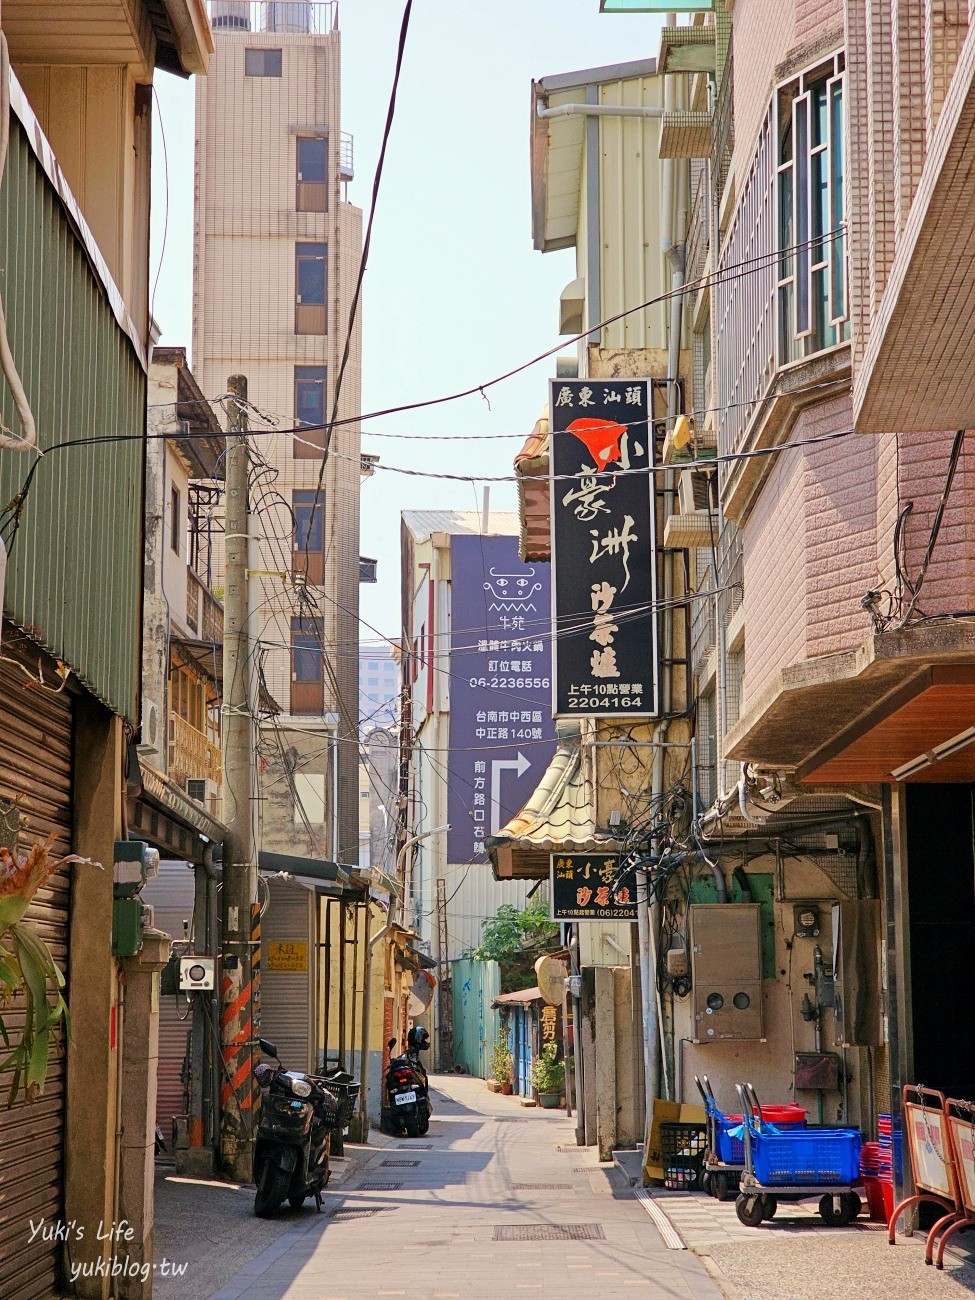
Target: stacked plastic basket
[885, 1162]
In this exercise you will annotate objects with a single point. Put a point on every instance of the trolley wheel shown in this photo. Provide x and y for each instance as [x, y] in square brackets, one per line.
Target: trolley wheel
[769, 1206]
[850, 1207]
[750, 1210]
[720, 1186]
[706, 1179]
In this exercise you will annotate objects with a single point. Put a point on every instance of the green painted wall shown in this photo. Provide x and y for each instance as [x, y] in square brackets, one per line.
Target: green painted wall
[74, 576]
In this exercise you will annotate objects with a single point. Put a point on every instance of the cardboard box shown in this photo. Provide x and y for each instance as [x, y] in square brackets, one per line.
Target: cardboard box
[666, 1112]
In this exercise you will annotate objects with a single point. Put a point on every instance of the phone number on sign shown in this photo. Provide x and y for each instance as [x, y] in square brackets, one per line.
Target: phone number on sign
[511, 683]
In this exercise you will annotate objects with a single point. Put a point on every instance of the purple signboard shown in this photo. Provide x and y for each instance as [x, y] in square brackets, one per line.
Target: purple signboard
[502, 736]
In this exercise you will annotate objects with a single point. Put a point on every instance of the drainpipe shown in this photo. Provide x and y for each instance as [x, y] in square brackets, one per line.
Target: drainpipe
[600, 110]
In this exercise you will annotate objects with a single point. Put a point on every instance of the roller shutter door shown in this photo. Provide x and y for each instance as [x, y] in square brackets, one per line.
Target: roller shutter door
[171, 896]
[286, 995]
[36, 749]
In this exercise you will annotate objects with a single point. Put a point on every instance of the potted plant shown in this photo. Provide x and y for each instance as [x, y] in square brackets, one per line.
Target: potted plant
[503, 1066]
[548, 1076]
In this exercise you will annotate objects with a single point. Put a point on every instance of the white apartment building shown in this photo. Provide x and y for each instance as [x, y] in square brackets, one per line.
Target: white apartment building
[277, 250]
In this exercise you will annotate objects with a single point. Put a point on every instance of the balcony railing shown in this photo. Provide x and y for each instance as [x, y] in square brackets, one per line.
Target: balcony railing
[288, 17]
[192, 755]
[204, 613]
[723, 125]
[699, 227]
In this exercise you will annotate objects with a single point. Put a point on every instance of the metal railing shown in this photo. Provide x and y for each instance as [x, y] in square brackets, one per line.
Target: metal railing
[346, 156]
[287, 17]
[699, 226]
[723, 123]
[702, 627]
[192, 755]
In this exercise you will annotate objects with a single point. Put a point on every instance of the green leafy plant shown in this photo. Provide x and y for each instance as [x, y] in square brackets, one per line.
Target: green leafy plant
[28, 971]
[511, 931]
[548, 1074]
[502, 1064]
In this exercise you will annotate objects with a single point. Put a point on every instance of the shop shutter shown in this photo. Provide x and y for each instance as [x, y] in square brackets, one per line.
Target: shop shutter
[36, 744]
[171, 896]
[286, 995]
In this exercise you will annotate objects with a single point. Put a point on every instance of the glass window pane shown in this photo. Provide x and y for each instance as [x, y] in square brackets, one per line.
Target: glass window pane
[309, 521]
[310, 394]
[306, 639]
[818, 104]
[262, 63]
[787, 225]
[311, 279]
[820, 204]
[800, 111]
[312, 159]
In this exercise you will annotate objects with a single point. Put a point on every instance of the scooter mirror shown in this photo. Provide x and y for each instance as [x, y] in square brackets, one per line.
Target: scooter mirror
[391, 1044]
[268, 1048]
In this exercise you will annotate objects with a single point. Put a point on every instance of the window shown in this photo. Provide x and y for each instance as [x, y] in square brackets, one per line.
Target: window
[310, 409]
[309, 520]
[262, 63]
[175, 518]
[812, 299]
[310, 280]
[311, 184]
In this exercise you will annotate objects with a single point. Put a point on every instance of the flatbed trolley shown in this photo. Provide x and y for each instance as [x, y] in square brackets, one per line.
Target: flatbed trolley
[720, 1176]
[796, 1166]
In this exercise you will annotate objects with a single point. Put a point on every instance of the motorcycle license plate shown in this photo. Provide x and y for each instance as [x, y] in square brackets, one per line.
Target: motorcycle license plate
[404, 1098]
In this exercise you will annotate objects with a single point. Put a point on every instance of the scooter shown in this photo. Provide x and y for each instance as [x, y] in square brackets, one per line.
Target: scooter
[406, 1105]
[298, 1116]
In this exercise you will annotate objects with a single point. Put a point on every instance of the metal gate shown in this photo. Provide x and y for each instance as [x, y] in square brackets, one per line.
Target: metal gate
[288, 974]
[36, 748]
[171, 895]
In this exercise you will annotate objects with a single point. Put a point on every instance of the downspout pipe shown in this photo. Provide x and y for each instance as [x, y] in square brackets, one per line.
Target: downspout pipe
[601, 110]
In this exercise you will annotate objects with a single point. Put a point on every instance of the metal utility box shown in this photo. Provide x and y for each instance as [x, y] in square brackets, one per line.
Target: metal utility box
[726, 971]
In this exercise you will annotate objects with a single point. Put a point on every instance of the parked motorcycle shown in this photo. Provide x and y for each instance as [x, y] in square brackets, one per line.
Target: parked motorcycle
[406, 1105]
[298, 1116]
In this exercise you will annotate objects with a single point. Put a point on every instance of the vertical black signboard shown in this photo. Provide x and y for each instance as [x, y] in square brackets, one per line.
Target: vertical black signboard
[603, 549]
[591, 887]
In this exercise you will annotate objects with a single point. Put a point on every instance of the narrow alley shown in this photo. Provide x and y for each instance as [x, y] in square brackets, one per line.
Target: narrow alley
[497, 1200]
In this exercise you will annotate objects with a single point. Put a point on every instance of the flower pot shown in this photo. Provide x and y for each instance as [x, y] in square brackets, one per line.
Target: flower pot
[507, 1089]
[549, 1100]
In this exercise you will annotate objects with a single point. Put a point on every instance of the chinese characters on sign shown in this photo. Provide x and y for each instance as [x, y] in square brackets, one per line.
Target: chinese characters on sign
[590, 887]
[502, 736]
[603, 549]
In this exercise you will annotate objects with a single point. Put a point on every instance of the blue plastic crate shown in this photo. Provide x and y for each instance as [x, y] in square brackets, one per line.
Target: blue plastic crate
[729, 1147]
[806, 1158]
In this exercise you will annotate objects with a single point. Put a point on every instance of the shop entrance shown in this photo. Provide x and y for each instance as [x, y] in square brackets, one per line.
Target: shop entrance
[940, 827]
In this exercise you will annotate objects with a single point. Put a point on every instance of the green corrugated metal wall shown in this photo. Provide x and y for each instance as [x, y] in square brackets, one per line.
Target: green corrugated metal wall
[74, 576]
[475, 985]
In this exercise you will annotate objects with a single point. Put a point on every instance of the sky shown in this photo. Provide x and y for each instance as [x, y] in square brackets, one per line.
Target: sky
[454, 292]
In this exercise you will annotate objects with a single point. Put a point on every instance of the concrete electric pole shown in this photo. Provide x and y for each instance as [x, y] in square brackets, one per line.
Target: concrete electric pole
[239, 915]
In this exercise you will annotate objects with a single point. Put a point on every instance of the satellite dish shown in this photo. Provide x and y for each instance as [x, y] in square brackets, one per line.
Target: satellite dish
[551, 973]
[421, 994]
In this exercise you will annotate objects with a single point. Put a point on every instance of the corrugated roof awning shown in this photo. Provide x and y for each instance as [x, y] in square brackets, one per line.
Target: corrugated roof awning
[520, 997]
[560, 817]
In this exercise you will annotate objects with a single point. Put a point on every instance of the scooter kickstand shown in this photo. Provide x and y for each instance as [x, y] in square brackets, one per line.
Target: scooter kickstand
[318, 1202]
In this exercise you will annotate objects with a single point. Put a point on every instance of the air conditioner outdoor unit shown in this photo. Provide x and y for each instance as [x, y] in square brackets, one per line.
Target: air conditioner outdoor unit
[149, 731]
[692, 492]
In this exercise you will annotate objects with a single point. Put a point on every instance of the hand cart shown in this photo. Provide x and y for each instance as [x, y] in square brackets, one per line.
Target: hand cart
[794, 1166]
[724, 1157]
[933, 1168]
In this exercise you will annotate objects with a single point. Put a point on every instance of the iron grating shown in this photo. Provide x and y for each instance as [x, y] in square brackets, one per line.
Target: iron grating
[549, 1232]
[359, 1212]
[541, 1187]
[400, 1164]
[379, 1187]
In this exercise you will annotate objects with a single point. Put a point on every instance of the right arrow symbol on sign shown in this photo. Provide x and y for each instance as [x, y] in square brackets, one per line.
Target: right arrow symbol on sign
[520, 766]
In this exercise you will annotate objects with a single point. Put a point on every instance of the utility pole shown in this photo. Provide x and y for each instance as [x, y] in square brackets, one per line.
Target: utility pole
[239, 913]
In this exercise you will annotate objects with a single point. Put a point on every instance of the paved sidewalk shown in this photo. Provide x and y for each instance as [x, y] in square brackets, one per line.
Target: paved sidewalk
[209, 1230]
[494, 1202]
[797, 1257]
